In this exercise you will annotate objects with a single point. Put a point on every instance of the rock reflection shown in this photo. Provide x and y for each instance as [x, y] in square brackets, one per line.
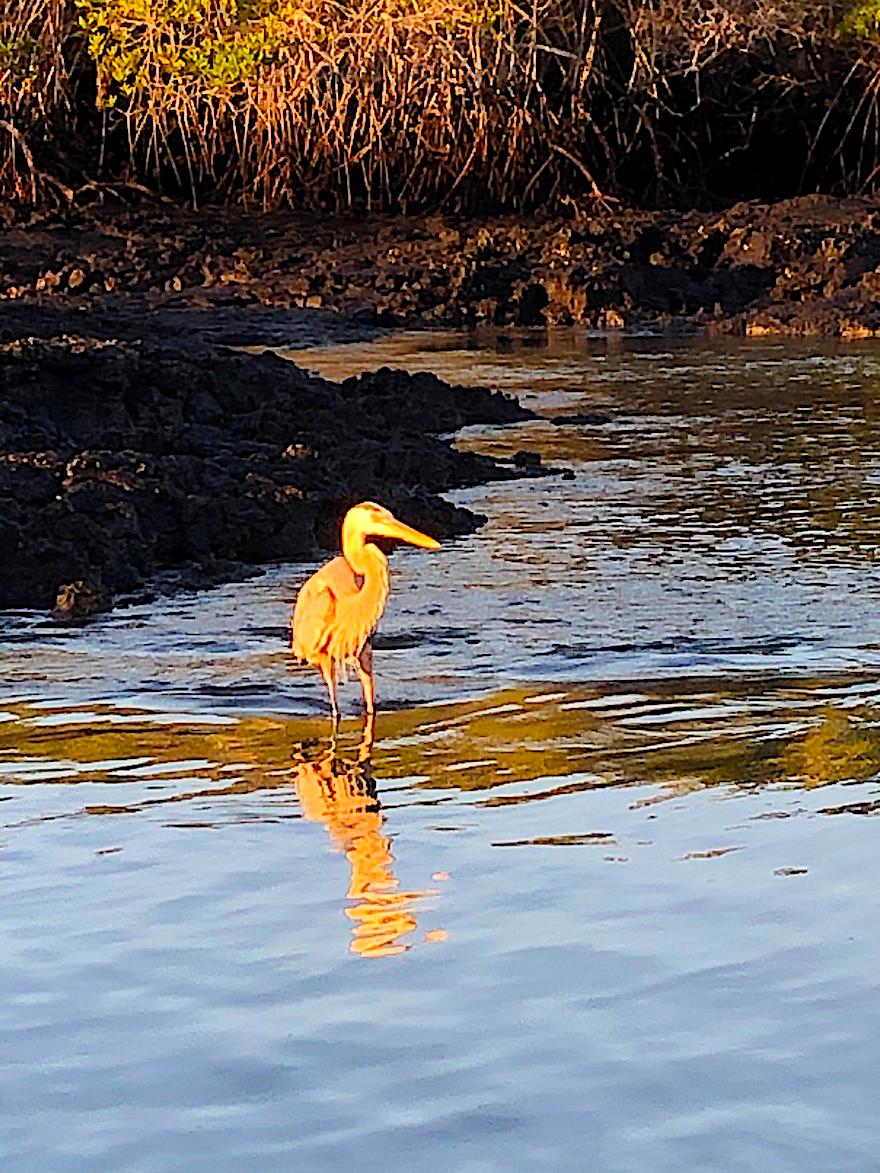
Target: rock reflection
[341, 793]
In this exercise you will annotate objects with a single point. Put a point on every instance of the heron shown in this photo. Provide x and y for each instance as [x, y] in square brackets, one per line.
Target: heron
[338, 608]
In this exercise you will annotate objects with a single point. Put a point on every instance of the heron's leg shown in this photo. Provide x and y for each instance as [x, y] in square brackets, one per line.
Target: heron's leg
[327, 671]
[365, 675]
[366, 747]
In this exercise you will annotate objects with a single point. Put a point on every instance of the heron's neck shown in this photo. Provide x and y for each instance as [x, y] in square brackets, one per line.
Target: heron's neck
[367, 560]
[364, 609]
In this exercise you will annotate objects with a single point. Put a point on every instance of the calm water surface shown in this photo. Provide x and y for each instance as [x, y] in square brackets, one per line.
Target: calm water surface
[603, 893]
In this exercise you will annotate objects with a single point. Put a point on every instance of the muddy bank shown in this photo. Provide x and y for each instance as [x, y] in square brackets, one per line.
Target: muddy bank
[122, 460]
[803, 266]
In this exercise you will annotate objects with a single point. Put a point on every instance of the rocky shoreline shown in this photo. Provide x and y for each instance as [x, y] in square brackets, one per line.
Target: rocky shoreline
[806, 266]
[123, 461]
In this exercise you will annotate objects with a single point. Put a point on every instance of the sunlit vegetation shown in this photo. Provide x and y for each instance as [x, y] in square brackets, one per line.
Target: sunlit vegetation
[471, 103]
[862, 20]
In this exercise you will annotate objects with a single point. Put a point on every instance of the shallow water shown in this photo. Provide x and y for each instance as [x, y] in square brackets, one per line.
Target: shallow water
[603, 892]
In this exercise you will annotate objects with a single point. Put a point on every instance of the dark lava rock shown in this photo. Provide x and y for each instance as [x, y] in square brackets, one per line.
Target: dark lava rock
[423, 397]
[807, 265]
[524, 459]
[121, 461]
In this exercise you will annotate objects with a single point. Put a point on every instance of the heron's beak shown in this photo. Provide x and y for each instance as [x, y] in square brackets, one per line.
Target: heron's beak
[404, 533]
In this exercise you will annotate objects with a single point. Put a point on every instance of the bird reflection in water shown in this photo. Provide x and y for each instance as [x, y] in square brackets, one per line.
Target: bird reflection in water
[341, 793]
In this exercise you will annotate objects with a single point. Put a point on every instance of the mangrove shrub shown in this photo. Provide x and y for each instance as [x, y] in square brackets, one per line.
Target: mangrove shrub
[408, 104]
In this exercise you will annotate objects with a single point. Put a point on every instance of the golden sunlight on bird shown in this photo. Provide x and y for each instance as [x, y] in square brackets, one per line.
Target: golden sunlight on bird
[338, 608]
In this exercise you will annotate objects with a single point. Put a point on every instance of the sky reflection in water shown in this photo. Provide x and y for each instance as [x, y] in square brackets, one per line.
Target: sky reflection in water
[584, 892]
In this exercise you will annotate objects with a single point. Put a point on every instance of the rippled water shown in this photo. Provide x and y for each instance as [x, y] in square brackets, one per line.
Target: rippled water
[603, 892]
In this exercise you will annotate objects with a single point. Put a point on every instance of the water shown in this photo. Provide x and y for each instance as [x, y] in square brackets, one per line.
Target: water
[602, 893]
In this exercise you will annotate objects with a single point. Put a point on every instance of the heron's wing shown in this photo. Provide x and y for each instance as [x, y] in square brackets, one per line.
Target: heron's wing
[313, 619]
[316, 609]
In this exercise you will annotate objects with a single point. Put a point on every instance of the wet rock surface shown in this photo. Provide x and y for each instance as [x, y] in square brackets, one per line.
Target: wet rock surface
[802, 266]
[122, 460]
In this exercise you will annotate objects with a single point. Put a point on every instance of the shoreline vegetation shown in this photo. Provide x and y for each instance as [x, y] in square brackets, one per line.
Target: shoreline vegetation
[477, 106]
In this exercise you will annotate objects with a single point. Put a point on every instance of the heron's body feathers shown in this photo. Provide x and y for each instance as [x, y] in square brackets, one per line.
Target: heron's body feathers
[337, 610]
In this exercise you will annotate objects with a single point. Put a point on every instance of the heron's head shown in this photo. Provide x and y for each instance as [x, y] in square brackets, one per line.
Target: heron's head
[369, 520]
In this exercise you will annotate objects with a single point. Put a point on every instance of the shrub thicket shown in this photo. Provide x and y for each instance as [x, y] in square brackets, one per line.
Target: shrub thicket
[412, 103]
